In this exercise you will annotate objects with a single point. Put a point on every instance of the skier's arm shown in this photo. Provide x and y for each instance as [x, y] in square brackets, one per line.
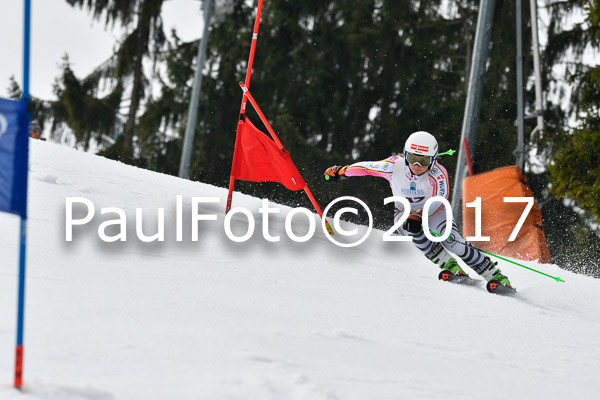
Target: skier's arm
[441, 185]
[382, 169]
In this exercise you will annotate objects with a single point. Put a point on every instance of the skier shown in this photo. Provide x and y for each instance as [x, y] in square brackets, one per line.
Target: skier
[35, 131]
[417, 176]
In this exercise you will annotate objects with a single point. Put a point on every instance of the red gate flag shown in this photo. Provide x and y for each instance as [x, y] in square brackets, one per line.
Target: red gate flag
[257, 158]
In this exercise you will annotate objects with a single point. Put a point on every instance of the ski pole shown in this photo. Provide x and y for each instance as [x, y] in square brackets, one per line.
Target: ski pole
[449, 153]
[556, 278]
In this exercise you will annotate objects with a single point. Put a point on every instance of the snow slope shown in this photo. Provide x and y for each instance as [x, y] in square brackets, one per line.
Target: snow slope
[215, 319]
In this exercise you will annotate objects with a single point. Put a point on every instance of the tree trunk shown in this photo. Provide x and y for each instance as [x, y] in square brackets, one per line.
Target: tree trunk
[136, 93]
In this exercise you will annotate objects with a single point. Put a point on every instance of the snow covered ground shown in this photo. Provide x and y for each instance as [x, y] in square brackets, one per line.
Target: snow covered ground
[215, 319]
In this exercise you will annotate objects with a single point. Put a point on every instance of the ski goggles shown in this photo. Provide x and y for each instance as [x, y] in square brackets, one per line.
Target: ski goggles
[414, 159]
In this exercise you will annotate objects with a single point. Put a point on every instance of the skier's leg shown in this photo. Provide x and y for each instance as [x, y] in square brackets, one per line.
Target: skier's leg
[472, 256]
[434, 251]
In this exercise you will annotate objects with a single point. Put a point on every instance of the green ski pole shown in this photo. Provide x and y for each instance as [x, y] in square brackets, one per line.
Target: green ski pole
[449, 153]
[556, 278]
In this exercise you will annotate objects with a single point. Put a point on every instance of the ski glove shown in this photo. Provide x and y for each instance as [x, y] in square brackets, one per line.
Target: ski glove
[413, 223]
[333, 173]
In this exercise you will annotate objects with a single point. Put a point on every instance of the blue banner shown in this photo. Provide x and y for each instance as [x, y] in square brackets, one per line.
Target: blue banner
[14, 153]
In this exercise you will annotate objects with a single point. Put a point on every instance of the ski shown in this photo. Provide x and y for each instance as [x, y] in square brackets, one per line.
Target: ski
[493, 286]
[460, 279]
[496, 287]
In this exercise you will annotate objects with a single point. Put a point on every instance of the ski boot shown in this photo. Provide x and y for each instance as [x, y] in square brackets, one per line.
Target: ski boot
[500, 284]
[497, 281]
[450, 268]
[452, 271]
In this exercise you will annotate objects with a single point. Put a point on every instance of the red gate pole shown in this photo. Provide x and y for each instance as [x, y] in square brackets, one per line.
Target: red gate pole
[278, 142]
[468, 156]
[261, 115]
[242, 116]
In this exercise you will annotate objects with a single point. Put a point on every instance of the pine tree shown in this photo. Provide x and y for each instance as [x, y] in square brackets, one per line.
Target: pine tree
[575, 173]
[144, 39]
[570, 194]
[79, 107]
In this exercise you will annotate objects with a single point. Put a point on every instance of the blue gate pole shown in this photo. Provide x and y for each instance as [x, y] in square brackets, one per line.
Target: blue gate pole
[21, 306]
[23, 231]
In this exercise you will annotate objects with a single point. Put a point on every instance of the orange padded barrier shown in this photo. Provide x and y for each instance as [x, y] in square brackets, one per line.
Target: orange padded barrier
[499, 219]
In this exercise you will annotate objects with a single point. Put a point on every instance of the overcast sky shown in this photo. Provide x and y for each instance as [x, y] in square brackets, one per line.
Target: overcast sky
[57, 28]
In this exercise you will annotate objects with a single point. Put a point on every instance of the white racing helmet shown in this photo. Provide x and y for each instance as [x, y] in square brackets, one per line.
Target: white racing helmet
[421, 148]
